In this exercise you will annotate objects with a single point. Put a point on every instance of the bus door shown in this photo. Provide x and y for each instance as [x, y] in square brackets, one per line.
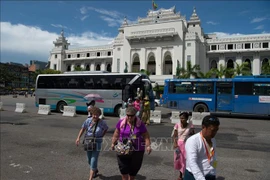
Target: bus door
[224, 99]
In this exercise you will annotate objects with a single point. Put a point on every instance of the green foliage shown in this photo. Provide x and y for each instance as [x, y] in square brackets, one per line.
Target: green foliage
[208, 74]
[266, 68]
[190, 71]
[126, 68]
[242, 69]
[79, 69]
[5, 74]
[143, 71]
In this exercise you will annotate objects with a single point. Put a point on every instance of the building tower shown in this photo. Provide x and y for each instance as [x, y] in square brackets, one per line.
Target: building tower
[58, 54]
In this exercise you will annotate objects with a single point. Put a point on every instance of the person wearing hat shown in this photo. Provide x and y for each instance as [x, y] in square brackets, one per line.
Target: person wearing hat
[146, 111]
[201, 151]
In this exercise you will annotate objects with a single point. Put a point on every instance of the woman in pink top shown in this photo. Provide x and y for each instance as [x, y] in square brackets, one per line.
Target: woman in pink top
[136, 104]
[182, 131]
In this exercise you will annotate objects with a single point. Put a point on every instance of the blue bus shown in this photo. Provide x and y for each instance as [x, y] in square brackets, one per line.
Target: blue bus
[242, 94]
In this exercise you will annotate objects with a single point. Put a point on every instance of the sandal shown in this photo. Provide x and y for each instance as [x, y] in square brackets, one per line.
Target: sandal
[95, 174]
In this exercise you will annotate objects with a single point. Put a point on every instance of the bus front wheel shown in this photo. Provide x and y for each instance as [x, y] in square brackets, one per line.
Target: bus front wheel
[200, 108]
[60, 106]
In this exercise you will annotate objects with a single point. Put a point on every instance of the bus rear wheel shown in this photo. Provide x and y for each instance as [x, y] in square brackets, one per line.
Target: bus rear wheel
[200, 108]
[117, 110]
[60, 106]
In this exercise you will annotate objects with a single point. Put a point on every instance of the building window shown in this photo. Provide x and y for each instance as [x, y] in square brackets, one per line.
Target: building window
[68, 68]
[98, 53]
[78, 55]
[109, 53]
[54, 66]
[188, 57]
[88, 55]
[188, 44]
[265, 45]
[69, 56]
[118, 65]
[230, 46]
[55, 56]
[213, 47]
[247, 45]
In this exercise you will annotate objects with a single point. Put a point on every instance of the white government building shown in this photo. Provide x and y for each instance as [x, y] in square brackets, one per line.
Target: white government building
[159, 43]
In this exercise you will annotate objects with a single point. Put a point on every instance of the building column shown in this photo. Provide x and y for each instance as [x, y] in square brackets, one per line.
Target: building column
[256, 65]
[92, 66]
[72, 67]
[143, 59]
[83, 65]
[239, 59]
[159, 61]
[221, 61]
[102, 66]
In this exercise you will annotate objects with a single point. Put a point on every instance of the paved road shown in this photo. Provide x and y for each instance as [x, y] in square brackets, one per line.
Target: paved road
[37, 147]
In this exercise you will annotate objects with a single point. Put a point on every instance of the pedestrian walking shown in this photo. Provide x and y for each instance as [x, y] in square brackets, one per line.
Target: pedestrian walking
[130, 140]
[181, 131]
[146, 111]
[201, 151]
[96, 128]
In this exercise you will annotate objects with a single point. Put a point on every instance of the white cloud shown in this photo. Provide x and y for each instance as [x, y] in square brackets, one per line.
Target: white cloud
[226, 35]
[211, 22]
[84, 17]
[33, 41]
[59, 26]
[259, 27]
[113, 18]
[256, 20]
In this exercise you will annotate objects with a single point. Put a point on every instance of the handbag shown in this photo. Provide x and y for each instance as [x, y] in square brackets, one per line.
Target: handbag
[89, 142]
[125, 147]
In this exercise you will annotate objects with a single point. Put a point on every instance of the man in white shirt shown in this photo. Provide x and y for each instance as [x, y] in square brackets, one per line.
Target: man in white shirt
[200, 151]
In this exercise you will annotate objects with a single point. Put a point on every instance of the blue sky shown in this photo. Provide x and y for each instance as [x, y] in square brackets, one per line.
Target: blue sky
[28, 29]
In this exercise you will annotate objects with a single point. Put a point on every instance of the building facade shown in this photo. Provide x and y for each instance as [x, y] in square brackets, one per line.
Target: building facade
[161, 42]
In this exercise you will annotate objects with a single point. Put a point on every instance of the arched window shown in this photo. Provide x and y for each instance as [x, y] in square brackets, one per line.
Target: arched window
[98, 67]
[214, 64]
[68, 68]
[109, 68]
[87, 67]
[230, 64]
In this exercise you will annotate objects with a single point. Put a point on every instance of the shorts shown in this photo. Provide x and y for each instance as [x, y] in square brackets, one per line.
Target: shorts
[130, 164]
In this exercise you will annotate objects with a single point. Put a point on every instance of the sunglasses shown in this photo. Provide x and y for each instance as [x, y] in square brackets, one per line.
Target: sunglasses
[130, 115]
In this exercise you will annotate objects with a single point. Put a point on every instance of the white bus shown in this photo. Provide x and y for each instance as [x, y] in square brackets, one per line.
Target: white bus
[109, 90]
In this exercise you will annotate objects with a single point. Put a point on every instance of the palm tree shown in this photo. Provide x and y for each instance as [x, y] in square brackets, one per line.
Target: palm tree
[220, 73]
[143, 71]
[78, 68]
[242, 69]
[191, 71]
[266, 68]
[208, 74]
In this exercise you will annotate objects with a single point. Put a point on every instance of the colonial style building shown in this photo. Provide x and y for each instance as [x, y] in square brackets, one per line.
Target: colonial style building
[159, 43]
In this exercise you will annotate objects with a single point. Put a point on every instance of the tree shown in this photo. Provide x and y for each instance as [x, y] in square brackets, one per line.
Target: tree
[126, 68]
[190, 71]
[5, 74]
[78, 68]
[220, 73]
[242, 69]
[143, 71]
[208, 74]
[266, 68]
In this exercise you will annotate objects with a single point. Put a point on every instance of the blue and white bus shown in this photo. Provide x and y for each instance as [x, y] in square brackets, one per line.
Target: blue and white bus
[109, 90]
[242, 94]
